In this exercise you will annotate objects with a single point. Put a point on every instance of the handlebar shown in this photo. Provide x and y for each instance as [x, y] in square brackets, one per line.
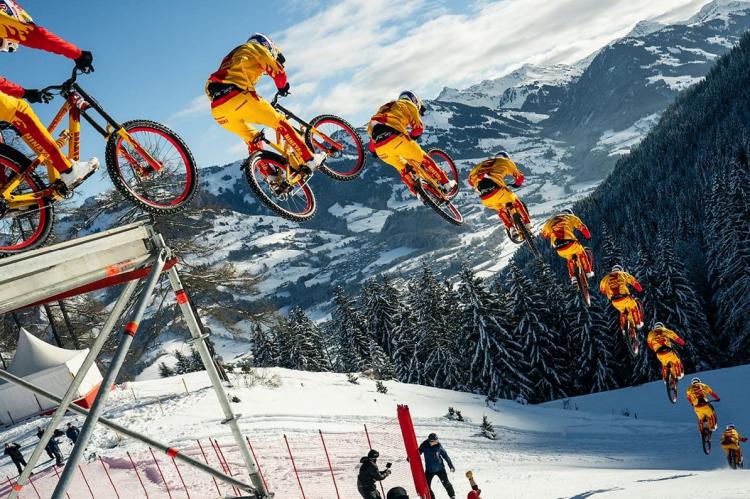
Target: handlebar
[66, 84]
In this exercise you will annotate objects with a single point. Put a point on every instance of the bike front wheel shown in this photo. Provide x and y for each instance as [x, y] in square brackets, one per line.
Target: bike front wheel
[706, 439]
[166, 190]
[671, 385]
[29, 227]
[528, 237]
[341, 143]
[440, 205]
[445, 163]
[631, 338]
[266, 174]
[583, 286]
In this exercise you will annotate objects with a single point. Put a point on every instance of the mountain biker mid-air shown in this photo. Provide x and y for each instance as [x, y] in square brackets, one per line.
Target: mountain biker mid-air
[660, 340]
[393, 131]
[235, 104]
[560, 230]
[17, 27]
[488, 179]
[616, 287]
[730, 441]
[697, 394]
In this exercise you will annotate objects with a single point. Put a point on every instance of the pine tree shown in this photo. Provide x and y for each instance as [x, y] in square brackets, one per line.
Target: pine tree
[182, 366]
[265, 349]
[592, 343]
[196, 362]
[351, 330]
[165, 371]
[307, 352]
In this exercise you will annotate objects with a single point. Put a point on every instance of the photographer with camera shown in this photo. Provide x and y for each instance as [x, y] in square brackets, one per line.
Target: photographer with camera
[369, 475]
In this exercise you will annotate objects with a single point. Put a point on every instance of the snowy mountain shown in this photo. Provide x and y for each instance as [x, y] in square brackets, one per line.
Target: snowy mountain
[620, 444]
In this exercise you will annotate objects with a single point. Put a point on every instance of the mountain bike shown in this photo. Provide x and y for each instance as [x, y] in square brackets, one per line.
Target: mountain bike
[671, 383]
[428, 188]
[630, 331]
[518, 213]
[582, 279]
[148, 163]
[277, 177]
[734, 459]
[706, 430]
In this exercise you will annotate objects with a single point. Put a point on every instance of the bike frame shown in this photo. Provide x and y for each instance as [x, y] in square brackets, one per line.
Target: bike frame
[420, 171]
[77, 103]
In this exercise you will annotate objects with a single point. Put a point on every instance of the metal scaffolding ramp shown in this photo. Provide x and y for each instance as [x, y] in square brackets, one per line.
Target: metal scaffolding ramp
[125, 255]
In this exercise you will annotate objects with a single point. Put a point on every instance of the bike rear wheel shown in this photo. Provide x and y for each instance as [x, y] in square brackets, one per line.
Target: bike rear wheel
[583, 285]
[732, 459]
[671, 385]
[338, 139]
[631, 339]
[527, 236]
[27, 228]
[706, 438]
[168, 190]
[295, 203]
[445, 163]
[442, 207]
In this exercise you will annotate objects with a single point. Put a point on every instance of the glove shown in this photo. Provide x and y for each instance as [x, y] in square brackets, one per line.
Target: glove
[284, 91]
[37, 96]
[84, 62]
[519, 181]
[717, 399]
[281, 59]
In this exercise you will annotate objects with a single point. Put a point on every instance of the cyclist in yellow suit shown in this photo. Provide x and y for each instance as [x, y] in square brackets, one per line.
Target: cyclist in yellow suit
[235, 104]
[393, 131]
[730, 441]
[697, 394]
[560, 230]
[17, 27]
[660, 340]
[616, 287]
[488, 179]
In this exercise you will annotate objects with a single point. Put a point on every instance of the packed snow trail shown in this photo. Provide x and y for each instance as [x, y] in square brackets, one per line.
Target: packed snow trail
[541, 451]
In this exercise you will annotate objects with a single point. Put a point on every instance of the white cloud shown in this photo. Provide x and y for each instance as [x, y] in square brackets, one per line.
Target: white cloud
[198, 106]
[360, 53]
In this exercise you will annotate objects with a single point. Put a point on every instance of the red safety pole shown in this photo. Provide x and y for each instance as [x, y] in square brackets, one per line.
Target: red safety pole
[412, 451]
[294, 467]
[109, 477]
[369, 444]
[224, 463]
[181, 479]
[86, 482]
[330, 467]
[260, 470]
[206, 460]
[169, 493]
[34, 487]
[58, 479]
[135, 468]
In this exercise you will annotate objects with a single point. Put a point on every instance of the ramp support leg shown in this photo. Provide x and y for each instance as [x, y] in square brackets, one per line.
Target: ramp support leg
[70, 394]
[110, 377]
[191, 319]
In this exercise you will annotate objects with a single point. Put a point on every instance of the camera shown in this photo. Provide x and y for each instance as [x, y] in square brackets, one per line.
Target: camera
[388, 465]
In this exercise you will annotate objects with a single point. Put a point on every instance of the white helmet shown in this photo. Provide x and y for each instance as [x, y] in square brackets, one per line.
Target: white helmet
[266, 41]
[617, 268]
[11, 9]
[695, 381]
[659, 325]
[412, 97]
[730, 426]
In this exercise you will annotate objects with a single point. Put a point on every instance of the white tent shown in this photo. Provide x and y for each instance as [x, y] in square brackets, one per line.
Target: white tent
[49, 367]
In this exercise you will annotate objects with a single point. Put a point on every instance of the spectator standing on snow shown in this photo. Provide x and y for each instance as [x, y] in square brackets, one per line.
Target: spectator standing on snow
[369, 475]
[72, 432]
[397, 493]
[434, 454]
[53, 446]
[13, 451]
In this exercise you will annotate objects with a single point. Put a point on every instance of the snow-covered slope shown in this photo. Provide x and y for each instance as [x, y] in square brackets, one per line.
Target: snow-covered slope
[541, 451]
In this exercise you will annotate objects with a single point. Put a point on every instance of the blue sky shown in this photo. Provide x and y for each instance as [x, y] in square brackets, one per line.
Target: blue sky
[344, 57]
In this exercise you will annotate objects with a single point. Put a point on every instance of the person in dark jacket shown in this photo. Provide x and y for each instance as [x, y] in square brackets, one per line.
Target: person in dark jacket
[397, 493]
[434, 454]
[72, 433]
[13, 451]
[369, 475]
[53, 446]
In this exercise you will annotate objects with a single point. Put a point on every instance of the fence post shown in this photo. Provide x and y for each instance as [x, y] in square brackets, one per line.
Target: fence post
[135, 468]
[369, 444]
[109, 477]
[58, 479]
[412, 451]
[169, 493]
[206, 460]
[294, 467]
[260, 470]
[330, 467]
[187, 392]
[223, 462]
[181, 479]
[86, 482]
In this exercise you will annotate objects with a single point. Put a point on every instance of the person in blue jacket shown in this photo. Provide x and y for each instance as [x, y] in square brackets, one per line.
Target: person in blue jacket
[434, 454]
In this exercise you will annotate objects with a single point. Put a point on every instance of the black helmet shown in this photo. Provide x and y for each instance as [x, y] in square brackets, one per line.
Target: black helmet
[373, 454]
[397, 493]
[432, 437]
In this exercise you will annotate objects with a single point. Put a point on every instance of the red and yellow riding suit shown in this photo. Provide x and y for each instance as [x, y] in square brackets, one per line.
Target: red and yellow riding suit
[660, 341]
[235, 104]
[697, 394]
[13, 108]
[615, 286]
[393, 130]
[730, 440]
[560, 230]
[488, 178]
